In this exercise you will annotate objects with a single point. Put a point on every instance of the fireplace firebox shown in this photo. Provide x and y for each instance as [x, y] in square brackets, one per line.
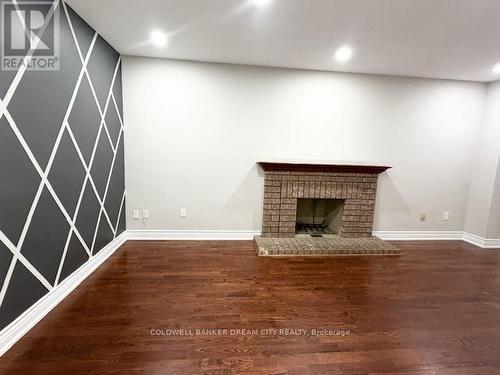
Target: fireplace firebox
[319, 216]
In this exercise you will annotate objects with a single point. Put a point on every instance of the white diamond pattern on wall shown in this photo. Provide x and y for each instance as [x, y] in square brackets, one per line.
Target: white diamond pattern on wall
[78, 206]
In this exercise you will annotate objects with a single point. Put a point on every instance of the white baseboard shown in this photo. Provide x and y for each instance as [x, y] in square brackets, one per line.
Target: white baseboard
[481, 242]
[19, 327]
[200, 235]
[424, 235]
[193, 235]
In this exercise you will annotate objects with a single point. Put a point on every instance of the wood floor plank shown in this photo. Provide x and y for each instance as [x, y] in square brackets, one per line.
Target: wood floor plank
[434, 310]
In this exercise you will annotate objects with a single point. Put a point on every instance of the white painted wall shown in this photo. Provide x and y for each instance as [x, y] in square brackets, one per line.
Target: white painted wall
[483, 212]
[494, 216]
[195, 130]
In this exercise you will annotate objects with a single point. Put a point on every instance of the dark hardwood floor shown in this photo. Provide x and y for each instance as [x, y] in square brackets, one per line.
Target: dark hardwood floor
[434, 310]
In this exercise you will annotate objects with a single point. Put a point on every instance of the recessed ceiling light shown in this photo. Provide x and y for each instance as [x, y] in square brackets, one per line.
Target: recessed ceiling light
[261, 3]
[496, 68]
[158, 38]
[343, 54]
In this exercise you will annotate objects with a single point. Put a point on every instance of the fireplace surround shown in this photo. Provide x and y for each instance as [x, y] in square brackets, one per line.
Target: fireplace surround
[287, 183]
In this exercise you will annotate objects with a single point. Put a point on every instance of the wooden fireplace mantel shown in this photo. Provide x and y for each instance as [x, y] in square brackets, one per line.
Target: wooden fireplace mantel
[305, 167]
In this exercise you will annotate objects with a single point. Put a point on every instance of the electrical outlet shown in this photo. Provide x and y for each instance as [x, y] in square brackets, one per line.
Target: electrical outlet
[136, 215]
[423, 216]
[145, 214]
[446, 216]
[183, 212]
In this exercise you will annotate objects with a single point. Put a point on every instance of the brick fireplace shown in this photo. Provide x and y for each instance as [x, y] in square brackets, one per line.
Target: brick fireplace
[354, 186]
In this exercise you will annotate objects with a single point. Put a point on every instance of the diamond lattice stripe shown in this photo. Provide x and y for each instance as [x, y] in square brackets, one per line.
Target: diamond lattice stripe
[44, 182]
[122, 133]
[44, 174]
[114, 148]
[122, 203]
[101, 112]
[3, 110]
[88, 177]
[103, 210]
[17, 256]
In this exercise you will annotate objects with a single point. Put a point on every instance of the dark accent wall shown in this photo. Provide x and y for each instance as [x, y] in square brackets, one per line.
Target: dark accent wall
[59, 124]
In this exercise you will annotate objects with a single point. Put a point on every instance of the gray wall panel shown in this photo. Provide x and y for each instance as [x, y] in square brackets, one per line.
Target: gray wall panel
[41, 100]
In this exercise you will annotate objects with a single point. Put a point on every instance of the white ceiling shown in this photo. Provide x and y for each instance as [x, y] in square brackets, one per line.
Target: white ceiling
[455, 39]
